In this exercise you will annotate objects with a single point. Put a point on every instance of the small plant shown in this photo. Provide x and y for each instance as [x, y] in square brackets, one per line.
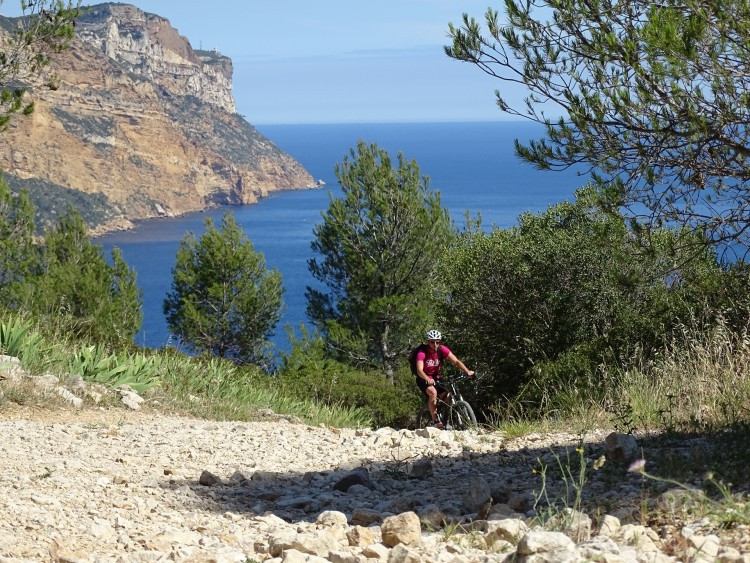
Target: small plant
[475, 539]
[397, 468]
[450, 529]
[17, 337]
[456, 533]
[95, 364]
[667, 416]
[558, 512]
[623, 417]
[508, 417]
[563, 511]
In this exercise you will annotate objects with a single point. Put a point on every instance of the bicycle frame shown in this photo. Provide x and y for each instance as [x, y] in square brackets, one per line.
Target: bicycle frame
[453, 411]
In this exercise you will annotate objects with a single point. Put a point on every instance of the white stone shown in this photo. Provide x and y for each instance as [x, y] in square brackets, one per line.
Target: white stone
[509, 530]
[376, 551]
[705, 547]
[540, 541]
[331, 518]
[318, 543]
[609, 525]
[403, 528]
[77, 402]
[575, 524]
[402, 554]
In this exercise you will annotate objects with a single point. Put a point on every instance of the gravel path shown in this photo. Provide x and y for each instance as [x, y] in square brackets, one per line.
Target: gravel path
[115, 485]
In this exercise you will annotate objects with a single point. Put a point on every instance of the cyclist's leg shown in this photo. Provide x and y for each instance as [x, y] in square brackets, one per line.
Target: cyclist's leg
[432, 396]
[443, 396]
[430, 393]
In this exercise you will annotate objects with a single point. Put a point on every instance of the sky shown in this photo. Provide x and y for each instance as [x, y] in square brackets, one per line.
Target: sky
[336, 61]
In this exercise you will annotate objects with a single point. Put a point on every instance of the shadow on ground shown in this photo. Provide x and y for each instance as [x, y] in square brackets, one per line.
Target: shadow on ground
[523, 475]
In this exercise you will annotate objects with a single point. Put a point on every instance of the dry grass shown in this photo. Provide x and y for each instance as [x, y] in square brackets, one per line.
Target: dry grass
[701, 381]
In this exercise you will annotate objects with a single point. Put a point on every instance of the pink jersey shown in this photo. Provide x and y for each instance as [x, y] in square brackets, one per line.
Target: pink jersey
[432, 360]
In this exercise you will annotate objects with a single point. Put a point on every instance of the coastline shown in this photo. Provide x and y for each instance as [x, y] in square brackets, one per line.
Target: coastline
[124, 224]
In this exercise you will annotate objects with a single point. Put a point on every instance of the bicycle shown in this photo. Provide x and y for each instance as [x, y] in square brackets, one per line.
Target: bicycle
[455, 413]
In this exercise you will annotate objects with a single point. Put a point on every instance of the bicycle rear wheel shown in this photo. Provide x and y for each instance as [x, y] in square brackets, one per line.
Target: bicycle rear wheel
[462, 416]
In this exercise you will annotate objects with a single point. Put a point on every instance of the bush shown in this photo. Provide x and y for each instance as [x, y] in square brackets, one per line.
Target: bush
[72, 286]
[307, 372]
[541, 306]
[219, 389]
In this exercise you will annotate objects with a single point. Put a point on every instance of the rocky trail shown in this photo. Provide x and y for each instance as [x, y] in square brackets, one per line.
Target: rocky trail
[118, 485]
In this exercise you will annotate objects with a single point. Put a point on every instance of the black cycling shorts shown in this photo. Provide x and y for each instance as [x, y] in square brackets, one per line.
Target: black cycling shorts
[422, 384]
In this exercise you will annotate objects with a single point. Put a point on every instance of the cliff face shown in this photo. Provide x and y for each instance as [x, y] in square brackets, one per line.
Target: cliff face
[140, 125]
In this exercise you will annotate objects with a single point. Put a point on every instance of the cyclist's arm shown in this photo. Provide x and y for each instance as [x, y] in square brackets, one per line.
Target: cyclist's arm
[422, 374]
[458, 363]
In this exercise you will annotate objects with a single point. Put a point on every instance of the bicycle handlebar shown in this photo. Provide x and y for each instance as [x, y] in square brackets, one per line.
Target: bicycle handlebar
[459, 378]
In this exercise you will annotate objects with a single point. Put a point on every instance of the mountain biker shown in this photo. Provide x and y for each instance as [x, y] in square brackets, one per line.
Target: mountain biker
[429, 360]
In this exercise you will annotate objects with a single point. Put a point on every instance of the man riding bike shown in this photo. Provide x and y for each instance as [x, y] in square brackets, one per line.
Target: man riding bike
[429, 360]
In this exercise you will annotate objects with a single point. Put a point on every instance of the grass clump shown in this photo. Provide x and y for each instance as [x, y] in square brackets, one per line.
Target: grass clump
[700, 381]
[687, 405]
[715, 501]
[218, 389]
[168, 379]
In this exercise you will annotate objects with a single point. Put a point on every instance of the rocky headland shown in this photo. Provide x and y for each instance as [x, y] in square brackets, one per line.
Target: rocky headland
[133, 123]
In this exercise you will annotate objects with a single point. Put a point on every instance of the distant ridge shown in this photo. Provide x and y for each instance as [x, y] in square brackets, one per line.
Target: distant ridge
[140, 125]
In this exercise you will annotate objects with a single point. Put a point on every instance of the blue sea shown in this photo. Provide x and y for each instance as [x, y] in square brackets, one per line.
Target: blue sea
[472, 164]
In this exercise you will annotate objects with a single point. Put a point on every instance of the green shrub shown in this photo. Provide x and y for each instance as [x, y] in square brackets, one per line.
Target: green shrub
[541, 306]
[16, 336]
[217, 388]
[72, 287]
[97, 365]
[307, 372]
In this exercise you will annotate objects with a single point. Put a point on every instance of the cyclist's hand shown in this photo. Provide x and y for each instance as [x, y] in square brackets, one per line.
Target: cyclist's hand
[470, 373]
[430, 381]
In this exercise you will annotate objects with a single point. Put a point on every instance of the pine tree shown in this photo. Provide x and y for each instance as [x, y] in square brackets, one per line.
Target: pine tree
[652, 96]
[380, 245]
[17, 255]
[223, 300]
[27, 46]
[74, 283]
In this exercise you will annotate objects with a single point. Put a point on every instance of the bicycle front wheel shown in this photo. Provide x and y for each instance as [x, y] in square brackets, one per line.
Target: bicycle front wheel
[462, 416]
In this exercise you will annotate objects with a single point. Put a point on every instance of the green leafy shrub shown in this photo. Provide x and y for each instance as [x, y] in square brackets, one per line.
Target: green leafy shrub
[204, 386]
[220, 389]
[541, 306]
[135, 369]
[307, 372]
[17, 336]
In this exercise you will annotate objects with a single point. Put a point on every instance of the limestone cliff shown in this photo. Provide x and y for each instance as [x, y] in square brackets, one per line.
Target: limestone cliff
[140, 125]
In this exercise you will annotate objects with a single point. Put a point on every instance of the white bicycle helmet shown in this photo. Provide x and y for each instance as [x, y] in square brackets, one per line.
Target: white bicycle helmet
[434, 335]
